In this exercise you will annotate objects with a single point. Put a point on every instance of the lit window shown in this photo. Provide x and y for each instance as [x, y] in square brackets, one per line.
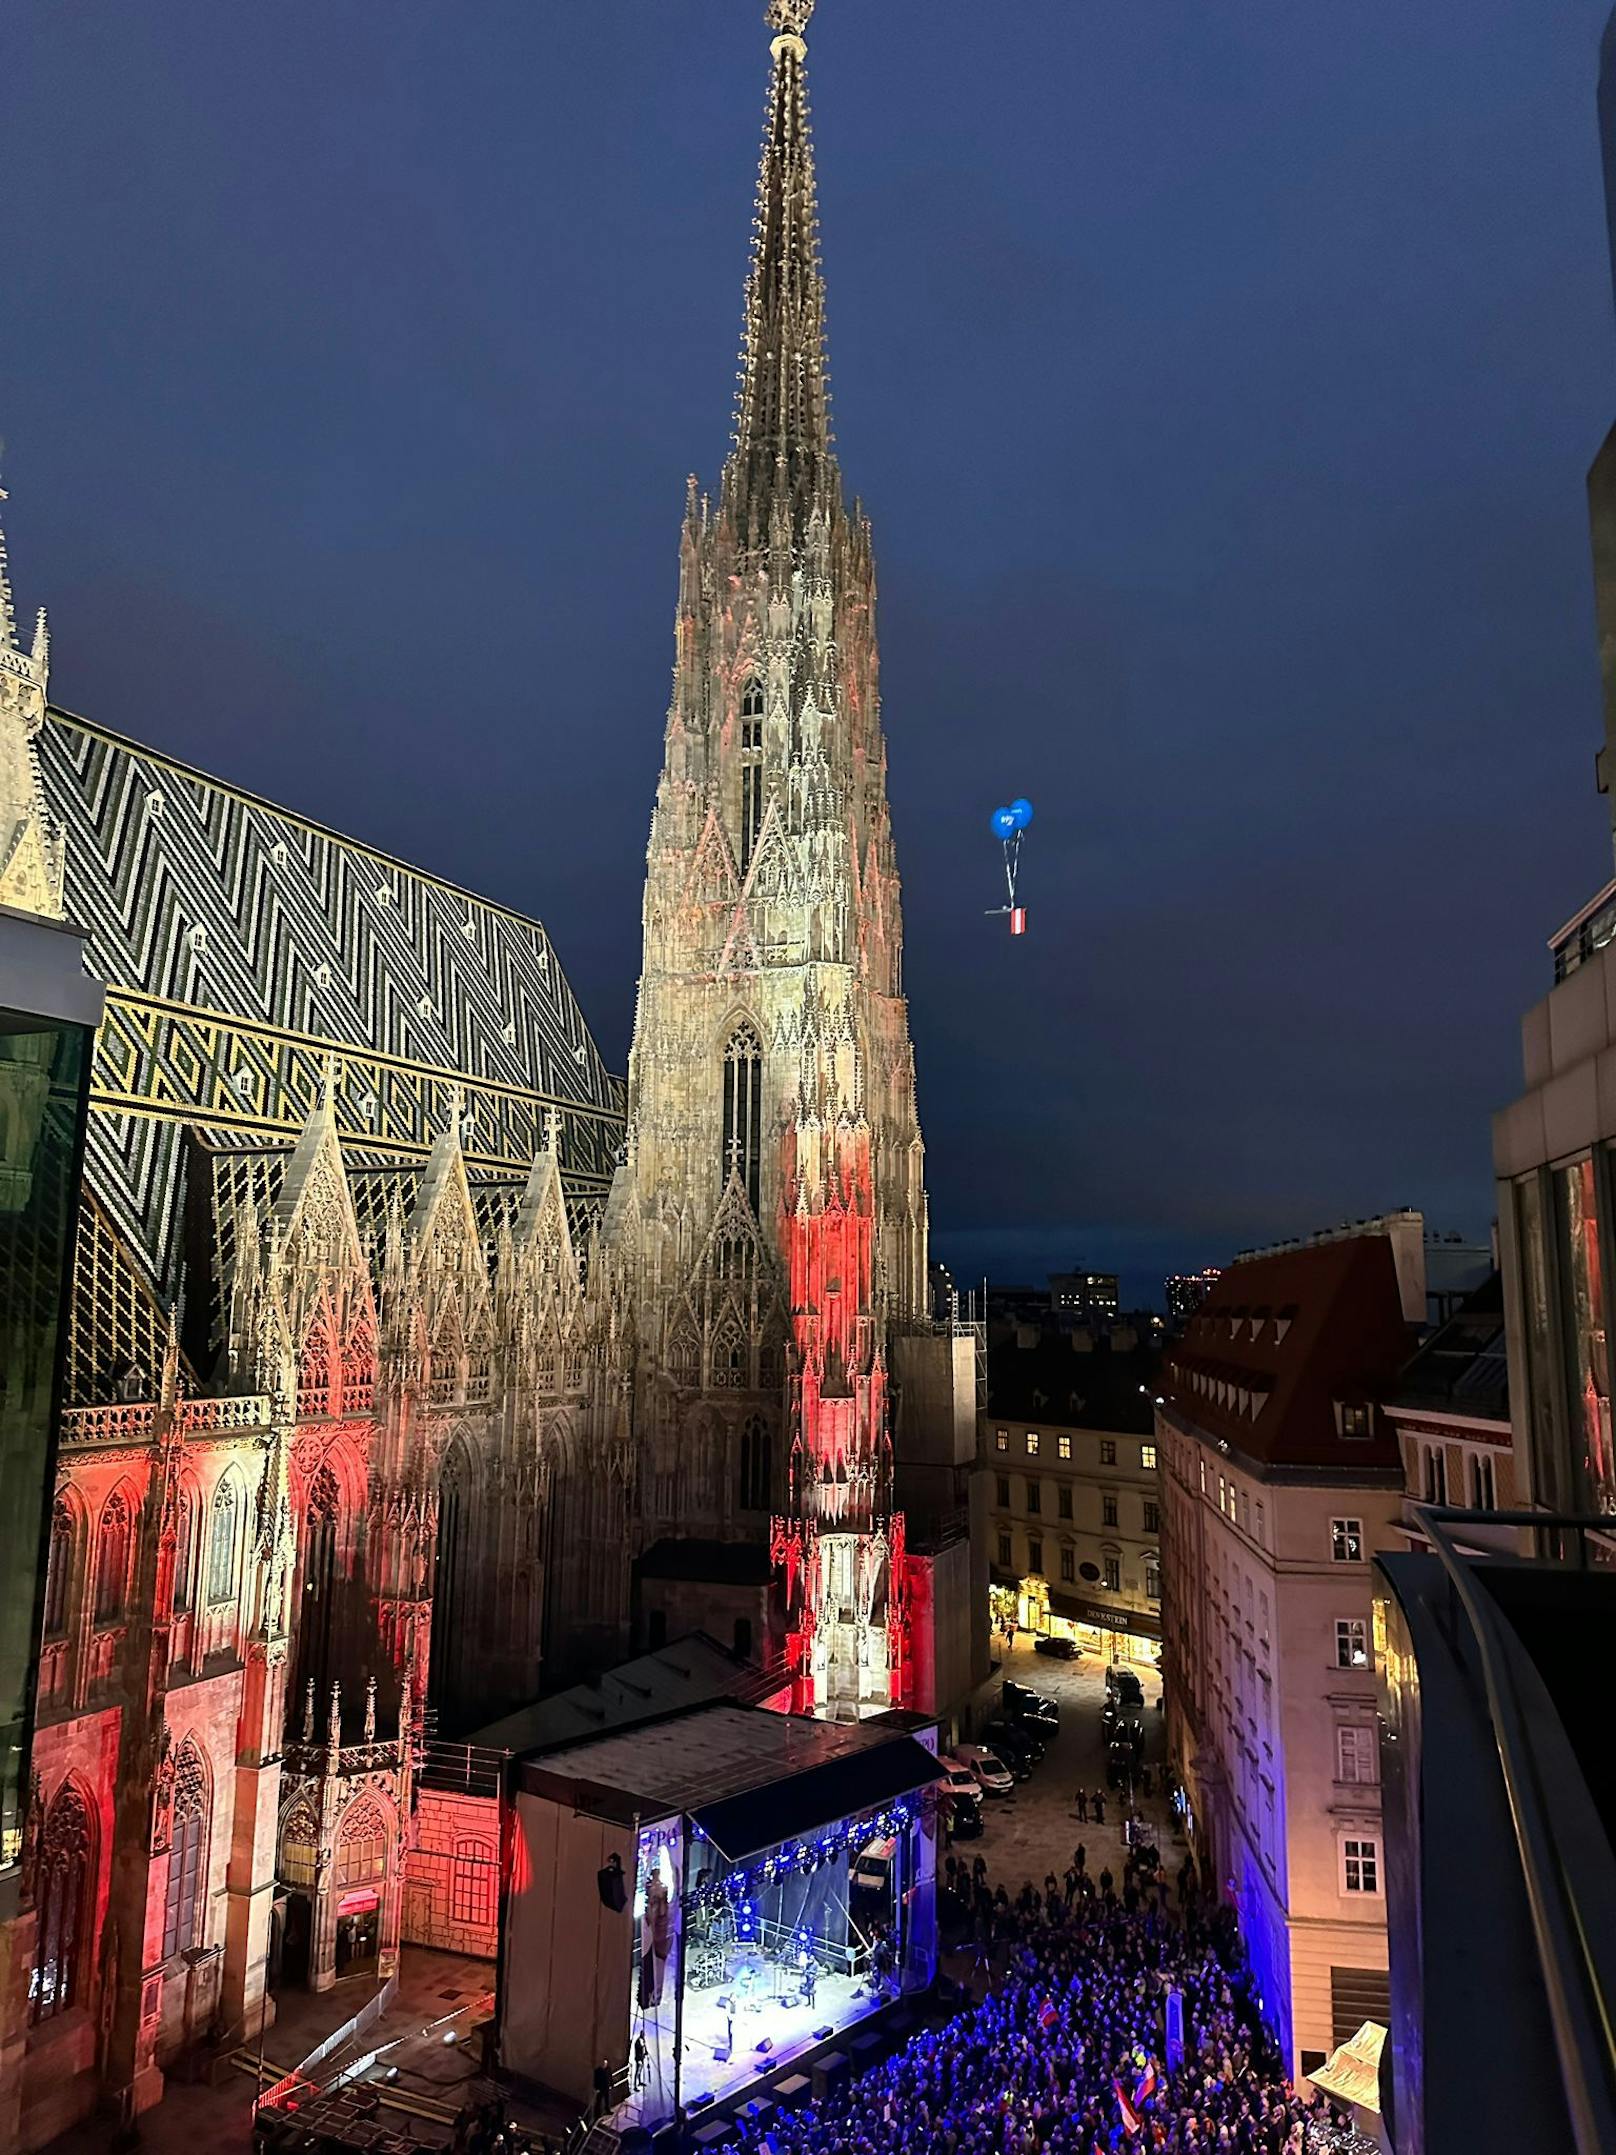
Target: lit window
[1032, 1444]
[1108, 1452]
[1064, 1446]
[1346, 1541]
[1355, 1754]
[1351, 1642]
[1203, 1477]
[1001, 1440]
[1355, 1423]
[1360, 1865]
[471, 1883]
[1147, 1457]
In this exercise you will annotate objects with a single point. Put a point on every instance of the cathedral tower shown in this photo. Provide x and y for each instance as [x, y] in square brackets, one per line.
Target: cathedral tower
[774, 1221]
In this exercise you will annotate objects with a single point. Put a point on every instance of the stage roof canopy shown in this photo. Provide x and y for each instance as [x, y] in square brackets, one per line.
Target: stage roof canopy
[747, 1777]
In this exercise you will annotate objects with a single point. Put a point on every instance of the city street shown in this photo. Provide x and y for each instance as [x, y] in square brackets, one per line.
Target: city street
[1034, 1831]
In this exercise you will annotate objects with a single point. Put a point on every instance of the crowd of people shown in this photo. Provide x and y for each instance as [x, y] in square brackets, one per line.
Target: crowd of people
[1068, 2049]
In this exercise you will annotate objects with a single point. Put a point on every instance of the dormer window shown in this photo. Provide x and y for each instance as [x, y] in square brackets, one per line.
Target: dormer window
[1355, 1424]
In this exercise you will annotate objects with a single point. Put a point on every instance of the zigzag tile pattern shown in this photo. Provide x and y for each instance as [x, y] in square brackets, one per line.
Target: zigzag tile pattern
[246, 949]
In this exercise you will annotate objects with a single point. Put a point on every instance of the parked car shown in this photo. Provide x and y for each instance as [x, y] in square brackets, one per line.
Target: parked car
[1020, 1704]
[1058, 1649]
[1121, 1713]
[1120, 1764]
[959, 1781]
[1001, 1742]
[993, 1777]
[1123, 1685]
[1013, 1740]
[872, 1873]
[965, 1818]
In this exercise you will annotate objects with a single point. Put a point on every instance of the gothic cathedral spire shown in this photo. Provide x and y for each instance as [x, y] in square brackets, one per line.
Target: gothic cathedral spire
[772, 1221]
[782, 411]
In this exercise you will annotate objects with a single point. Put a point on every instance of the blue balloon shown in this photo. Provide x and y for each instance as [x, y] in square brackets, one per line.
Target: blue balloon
[1022, 811]
[1004, 823]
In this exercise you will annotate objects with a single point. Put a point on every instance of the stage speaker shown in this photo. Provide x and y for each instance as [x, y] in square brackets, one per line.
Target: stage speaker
[613, 1886]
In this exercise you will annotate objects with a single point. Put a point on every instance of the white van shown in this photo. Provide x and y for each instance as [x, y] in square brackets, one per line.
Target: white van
[959, 1779]
[872, 1873]
[993, 1777]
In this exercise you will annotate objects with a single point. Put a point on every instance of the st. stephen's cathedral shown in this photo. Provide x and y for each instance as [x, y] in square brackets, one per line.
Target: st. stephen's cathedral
[415, 1365]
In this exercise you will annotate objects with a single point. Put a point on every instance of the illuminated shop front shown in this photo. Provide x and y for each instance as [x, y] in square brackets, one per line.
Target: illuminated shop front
[778, 1881]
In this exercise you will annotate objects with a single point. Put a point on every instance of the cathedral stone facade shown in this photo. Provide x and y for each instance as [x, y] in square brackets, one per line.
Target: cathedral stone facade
[774, 1222]
[415, 1366]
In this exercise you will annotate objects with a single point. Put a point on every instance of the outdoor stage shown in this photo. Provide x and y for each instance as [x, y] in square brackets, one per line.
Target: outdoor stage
[790, 2026]
[698, 1900]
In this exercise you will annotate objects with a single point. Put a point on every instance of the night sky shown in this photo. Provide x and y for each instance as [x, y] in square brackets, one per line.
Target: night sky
[1221, 380]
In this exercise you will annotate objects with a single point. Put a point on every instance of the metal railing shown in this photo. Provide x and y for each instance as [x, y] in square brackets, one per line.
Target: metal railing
[1570, 1951]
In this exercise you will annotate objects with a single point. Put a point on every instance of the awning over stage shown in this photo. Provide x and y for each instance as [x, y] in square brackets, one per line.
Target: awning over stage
[742, 1826]
[748, 1778]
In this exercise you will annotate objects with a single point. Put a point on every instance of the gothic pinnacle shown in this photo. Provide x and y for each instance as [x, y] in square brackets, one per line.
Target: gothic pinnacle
[789, 17]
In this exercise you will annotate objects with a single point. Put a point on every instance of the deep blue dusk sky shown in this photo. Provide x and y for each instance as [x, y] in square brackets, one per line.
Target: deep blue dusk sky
[1220, 378]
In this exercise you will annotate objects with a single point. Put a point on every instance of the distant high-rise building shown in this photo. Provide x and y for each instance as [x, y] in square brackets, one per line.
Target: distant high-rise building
[1092, 1293]
[1186, 1291]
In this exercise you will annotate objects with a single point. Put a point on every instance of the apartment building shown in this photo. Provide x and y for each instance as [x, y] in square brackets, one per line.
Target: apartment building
[1281, 1480]
[1069, 1452]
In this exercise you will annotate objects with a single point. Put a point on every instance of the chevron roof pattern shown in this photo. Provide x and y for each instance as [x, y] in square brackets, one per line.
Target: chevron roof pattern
[246, 949]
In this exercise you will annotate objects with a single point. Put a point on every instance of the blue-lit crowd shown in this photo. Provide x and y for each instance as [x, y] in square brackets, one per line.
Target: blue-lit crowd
[1067, 2048]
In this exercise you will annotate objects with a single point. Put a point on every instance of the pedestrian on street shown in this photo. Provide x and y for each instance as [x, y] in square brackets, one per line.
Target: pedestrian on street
[1072, 1876]
[1099, 1807]
[1106, 1883]
[1080, 1857]
[1082, 1807]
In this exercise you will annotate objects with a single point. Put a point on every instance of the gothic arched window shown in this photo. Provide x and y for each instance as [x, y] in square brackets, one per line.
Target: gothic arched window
[222, 1542]
[317, 1579]
[187, 1854]
[300, 1846]
[112, 1548]
[59, 1571]
[451, 1600]
[751, 769]
[754, 1465]
[184, 1549]
[743, 1107]
[362, 1851]
[63, 1900]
